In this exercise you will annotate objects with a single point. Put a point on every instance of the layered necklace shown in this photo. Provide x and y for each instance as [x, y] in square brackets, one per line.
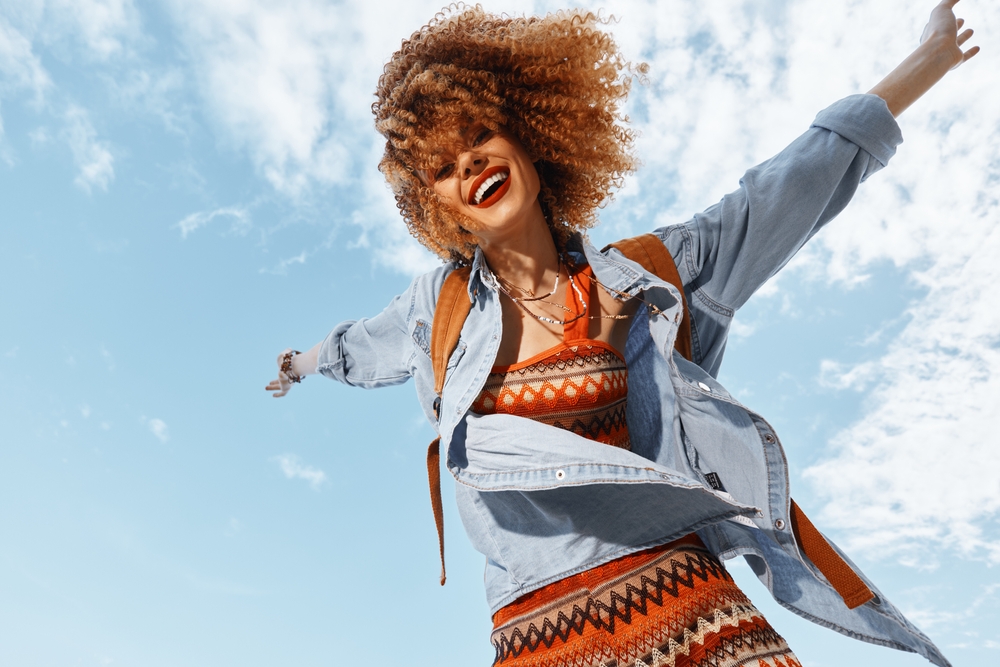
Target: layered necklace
[528, 296]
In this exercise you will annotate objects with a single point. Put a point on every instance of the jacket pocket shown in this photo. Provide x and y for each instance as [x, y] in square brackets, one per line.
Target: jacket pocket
[422, 339]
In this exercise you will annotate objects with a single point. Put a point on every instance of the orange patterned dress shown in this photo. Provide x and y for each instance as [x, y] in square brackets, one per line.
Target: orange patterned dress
[673, 605]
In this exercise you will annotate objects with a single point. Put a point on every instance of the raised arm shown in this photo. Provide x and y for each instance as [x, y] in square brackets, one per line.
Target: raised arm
[727, 252]
[940, 50]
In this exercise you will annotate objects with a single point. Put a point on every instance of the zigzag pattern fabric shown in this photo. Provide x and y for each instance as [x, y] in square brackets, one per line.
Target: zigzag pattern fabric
[580, 387]
[671, 606]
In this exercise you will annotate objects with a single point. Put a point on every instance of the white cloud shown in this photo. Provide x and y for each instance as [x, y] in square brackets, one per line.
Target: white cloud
[932, 616]
[104, 26]
[20, 68]
[282, 267]
[294, 469]
[292, 84]
[85, 411]
[239, 220]
[158, 427]
[94, 161]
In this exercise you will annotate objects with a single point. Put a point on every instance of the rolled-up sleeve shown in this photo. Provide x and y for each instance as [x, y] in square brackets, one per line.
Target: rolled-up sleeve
[746, 238]
[372, 352]
[728, 251]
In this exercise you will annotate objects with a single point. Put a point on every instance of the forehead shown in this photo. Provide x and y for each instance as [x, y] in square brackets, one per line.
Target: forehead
[441, 139]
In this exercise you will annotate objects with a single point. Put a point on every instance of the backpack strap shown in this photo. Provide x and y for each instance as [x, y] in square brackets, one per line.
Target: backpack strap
[648, 251]
[841, 576]
[452, 309]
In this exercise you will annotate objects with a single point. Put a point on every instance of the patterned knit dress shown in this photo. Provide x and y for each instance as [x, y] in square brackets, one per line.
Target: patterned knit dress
[674, 604]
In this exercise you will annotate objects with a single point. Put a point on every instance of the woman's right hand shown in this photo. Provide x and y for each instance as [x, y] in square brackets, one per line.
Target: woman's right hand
[302, 364]
[280, 385]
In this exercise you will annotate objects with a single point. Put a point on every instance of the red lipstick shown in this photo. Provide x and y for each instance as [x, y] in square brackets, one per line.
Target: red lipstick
[497, 194]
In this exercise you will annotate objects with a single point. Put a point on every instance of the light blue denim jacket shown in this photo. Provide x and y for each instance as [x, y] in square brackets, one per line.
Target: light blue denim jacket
[542, 503]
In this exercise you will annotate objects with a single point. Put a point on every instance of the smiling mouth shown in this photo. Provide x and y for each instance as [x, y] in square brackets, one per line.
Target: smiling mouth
[490, 187]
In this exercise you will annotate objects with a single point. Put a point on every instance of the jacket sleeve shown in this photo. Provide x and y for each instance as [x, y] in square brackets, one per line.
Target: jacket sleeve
[727, 252]
[372, 352]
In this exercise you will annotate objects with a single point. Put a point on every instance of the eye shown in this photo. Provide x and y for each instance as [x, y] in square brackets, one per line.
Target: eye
[443, 171]
[482, 136]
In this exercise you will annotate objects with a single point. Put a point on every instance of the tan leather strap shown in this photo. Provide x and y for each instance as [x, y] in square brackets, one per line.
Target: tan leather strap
[836, 570]
[434, 479]
[452, 310]
[648, 251]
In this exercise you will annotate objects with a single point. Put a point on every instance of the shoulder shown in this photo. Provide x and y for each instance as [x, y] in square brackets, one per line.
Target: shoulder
[425, 289]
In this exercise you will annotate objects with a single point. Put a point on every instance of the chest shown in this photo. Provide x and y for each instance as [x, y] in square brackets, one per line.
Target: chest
[579, 309]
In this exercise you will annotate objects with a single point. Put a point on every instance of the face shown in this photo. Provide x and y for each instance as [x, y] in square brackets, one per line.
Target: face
[488, 177]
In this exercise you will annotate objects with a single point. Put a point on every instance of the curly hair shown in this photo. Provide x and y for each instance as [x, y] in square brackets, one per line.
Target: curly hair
[555, 83]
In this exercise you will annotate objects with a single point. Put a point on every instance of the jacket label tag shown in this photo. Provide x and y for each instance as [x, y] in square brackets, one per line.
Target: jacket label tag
[715, 482]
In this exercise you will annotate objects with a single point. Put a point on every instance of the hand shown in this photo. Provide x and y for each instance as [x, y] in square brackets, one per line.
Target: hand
[943, 27]
[282, 384]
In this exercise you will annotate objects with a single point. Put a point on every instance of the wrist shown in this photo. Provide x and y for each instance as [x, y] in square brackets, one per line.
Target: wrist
[941, 51]
[287, 365]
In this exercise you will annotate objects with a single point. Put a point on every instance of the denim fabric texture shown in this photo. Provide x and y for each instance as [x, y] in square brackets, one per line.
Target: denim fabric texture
[542, 503]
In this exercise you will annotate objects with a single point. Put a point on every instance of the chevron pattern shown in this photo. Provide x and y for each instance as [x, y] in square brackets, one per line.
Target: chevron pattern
[672, 606]
[580, 387]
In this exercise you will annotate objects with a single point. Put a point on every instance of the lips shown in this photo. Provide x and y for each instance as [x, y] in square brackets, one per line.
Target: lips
[487, 183]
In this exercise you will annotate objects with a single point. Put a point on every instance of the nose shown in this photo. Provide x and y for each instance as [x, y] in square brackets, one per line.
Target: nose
[470, 164]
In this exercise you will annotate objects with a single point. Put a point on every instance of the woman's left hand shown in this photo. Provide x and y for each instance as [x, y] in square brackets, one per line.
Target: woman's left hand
[943, 28]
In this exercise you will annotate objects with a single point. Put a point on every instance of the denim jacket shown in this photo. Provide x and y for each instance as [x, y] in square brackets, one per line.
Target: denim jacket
[542, 503]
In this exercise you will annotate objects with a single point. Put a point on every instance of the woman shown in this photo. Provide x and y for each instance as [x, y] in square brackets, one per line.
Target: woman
[503, 137]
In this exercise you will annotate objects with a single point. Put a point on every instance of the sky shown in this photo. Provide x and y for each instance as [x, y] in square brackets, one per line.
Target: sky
[187, 188]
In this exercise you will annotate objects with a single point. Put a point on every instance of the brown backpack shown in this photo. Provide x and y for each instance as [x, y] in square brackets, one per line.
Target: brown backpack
[648, 251]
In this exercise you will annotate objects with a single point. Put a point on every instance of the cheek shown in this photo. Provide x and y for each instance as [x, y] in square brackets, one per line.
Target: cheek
[448, 198]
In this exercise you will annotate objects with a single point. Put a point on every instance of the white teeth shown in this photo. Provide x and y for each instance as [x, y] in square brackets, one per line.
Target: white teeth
[495, 178]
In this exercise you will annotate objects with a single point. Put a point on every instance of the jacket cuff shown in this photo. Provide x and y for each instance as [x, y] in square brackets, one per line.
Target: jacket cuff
[865, 121]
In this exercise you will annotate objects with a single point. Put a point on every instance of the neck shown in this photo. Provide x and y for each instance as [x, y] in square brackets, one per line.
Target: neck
[528, 258]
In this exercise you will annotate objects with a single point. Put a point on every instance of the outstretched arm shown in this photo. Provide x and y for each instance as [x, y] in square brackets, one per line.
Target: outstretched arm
[940, 50]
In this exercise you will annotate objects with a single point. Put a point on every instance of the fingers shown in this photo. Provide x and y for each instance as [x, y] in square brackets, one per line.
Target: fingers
[971, 52]
[280, 386]
[964, 36]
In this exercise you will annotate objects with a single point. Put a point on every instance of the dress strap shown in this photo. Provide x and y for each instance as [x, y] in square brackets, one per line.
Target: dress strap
[579, 328]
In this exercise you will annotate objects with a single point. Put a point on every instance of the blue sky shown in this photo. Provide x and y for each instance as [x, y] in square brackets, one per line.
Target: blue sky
[186, 188]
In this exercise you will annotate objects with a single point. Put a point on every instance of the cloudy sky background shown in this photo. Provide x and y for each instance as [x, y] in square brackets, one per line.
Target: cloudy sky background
[188, 187]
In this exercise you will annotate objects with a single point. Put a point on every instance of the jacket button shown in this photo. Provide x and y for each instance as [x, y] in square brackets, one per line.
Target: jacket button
[560, 474]
[769, 439]
[705, 387]
[779, 524]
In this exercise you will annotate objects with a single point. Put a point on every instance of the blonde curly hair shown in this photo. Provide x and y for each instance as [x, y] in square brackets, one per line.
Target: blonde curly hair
[555, 83]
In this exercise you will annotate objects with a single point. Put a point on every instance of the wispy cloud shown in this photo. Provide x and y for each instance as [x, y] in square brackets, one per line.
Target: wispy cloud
[94, 162]
[104, 27]
[158, 428]
[239, 220]
[313, 129]
[20, 67]
[295, 469]
[281, 268]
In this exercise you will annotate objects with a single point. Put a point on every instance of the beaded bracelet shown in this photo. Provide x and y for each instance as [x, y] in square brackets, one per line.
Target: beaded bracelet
[286, 366]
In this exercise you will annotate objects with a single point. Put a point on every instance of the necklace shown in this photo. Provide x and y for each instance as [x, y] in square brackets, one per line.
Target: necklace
[542, 318]
[531, 295]
[504, 286]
